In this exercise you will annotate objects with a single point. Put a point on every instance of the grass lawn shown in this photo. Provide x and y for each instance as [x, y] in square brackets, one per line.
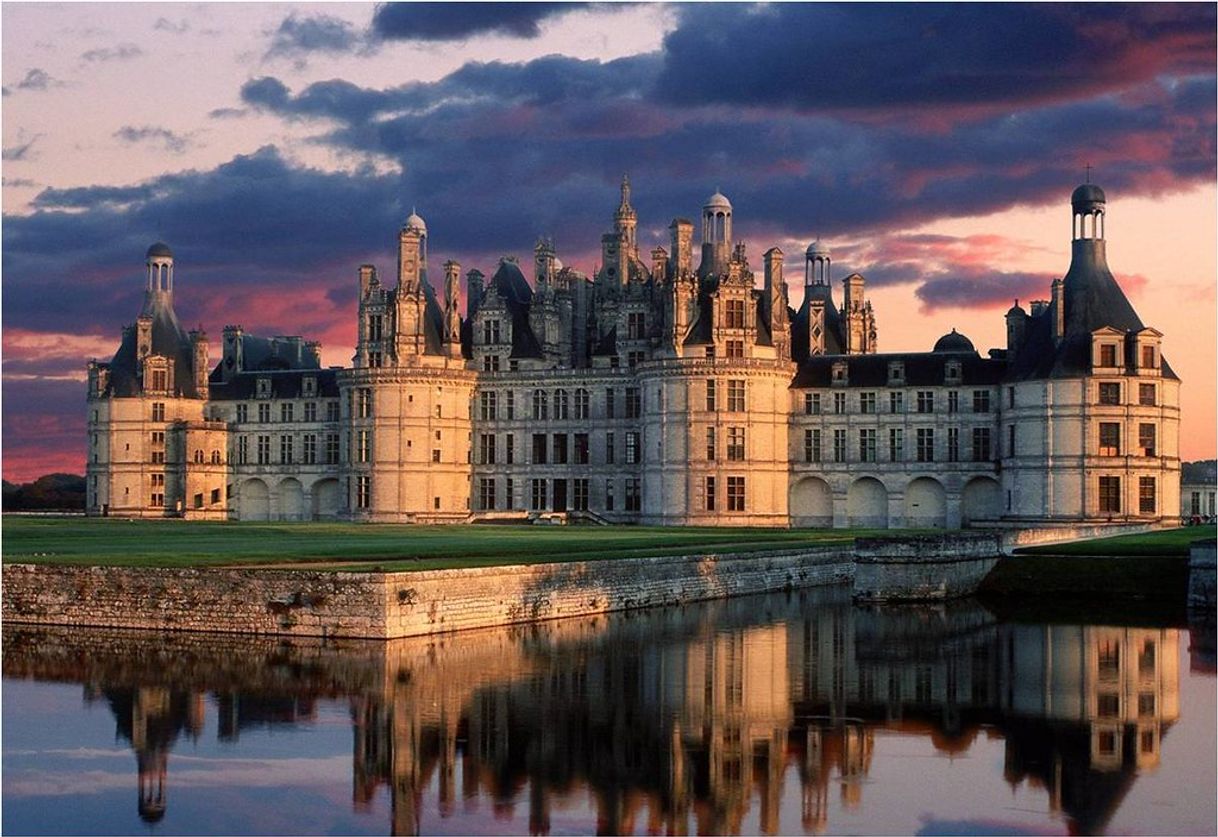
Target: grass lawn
[177, 543]
[1162, 542]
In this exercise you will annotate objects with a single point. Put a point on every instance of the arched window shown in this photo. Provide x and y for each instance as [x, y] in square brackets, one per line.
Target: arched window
[540, 408]
[199, 456]
[560, 404]
[215, 457]
[581, 403]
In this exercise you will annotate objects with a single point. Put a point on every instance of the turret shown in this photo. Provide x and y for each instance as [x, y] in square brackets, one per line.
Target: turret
[716, 234]
[1017, 323]
[544, 263]
[159, 262]
[626, 220]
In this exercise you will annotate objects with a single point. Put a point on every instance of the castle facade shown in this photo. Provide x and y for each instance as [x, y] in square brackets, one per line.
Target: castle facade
[655, 392]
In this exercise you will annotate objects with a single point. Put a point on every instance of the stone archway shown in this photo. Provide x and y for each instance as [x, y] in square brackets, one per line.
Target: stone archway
[980, 500]
[811, 503]
[925, 504]
[326, 499]
[291, 500]
[867, 504]
[254, 501]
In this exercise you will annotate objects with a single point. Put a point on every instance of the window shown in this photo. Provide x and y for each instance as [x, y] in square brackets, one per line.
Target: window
[1110, 495]
[867, 445]
[866, 402]
[490, 363]
[839, 445]
[286, 412]
[610, 407]
[331, 448]
[1010, 440]
[926, 401]
[981, 401]
[537, 495]
[896, 444]
[435, 455]
[1108, 354]
[812, 403]
[215, 457]
[1010, 396]
[581, 404]
[735, 444]
[839, 403]
[264, 450]
[562, 404]
[1110, 438]
[439, 411]
[580, 489]
[1146, 659]
[511, 404]
[610, 454]
[632, 449]
[157, 500]
[581, 449]
[1110, 393]
[735, 313]
[264, 413]
[486, 449]
[363, 446]
[634, 402]
[310, 411]
[160, 379]
[636, 326]
[158, 438]
[158, 457]
[158, 411]
[363, 491]
[243, 450]
[735, 396]
[953, 444]
[710, 396]
[633, 359]
[896, 372]
[541, 410]
[1146, 439]
[711, 438]
[735, 494]
[1148, 357]
[332, 410]
[539, 449]
[486, 493]
[364, 403]
[509, 493]
[812, 446]
[308, 386]
[925, 444]
[953, 402]
[215, 496]
[981, 444]
[608, 495]
[376, 327]
[1146, 395]
[488, 403]
[243, 413]
[375, 359]
[560, 448]
[509, 452]
[634, 497]
[262, 388]
[896, 402]
[309, 453]
[490, 332]
[710, 352]
[1146, 495]
[735, 348]
[158, 480]
[710, 493]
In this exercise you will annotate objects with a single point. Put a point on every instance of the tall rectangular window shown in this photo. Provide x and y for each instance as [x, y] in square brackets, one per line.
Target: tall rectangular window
[310, 411]
[243, 449]
[632, 449]
[1010, 440]
[925, 444]
[867, 445]
[896, 444]
[610, 407]
[609, 495]
[866, 402]
[363, 491]
[579, 488]
[331, 448]
[953, 444]
[812, 403]
[486, 448]
[735, 313]
[286, 449]
[981, 401]
[364, 403]
[735, 494]
[486, 493]
[541, 410]
[581, 449]
[610, 452]
[735, 444]
[711, 438]
[490, 332]
[363, 446]
[711, 403]
[243, 413]
[560, 448]
[582, 402]
[510, 405]
[735, 396]
[1108, 354]
[634, 402]
[1146, 495]
[735, 348]
[1110, 438]
[1110, 495]
[636, 325]
[1148, 357]
[537, 495]
[539, 449]
[562, 404]
[710, 493]
[509, 493]
[981, 444]
[309, 454]
[839, 403]
[264, 413]
[926, 401]
[264, 450]
[487, 405]
[509, 448]
[953, 401]
[1146, 439]
[812, 445]
[634, 496]
[896, 402]
[158, 411]
[1110, 394]
[839, 445]
[286, 412]
[1146, 395]
[332, 410]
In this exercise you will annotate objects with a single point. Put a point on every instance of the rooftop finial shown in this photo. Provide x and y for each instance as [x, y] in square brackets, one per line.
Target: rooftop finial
[1088, 167]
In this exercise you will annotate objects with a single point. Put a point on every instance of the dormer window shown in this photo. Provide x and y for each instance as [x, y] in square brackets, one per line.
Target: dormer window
[1108, 355]
[309, 386]
[953, 372]
[841, 374]
[896, 372]
[1148, 359]
[262, 388]
[490, 332]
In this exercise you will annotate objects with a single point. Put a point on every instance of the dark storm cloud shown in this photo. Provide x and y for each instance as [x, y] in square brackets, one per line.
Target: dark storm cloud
[909, 55]
[975, 287]
[457, 21]
[299, 35]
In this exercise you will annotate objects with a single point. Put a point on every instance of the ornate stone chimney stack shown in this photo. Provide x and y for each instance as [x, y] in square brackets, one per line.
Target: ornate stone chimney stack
[198, 342]
[452, 313]
[473, 283]
[367, 279]
[1017, 323]
[1057, 309]
[682, 231]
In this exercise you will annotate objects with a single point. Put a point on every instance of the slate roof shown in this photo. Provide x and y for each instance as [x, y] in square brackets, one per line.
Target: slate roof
[510, 284]
[168, 339]
[835, 342]
[285, 383]
[921, 369]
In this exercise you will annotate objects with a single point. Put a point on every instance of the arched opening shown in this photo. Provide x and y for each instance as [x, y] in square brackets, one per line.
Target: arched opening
[811, 503]
[291, 500]
[326, 499]
[253, 501]
[925, 504]
[980, 500]
[867, 504]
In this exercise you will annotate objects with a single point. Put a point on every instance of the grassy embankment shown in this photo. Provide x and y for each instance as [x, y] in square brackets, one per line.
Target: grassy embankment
[176, 543]
[1147, 566]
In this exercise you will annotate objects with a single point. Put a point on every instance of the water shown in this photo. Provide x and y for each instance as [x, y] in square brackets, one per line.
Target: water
[787, 714]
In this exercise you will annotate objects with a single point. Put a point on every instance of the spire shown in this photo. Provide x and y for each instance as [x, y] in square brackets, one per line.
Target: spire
[625, 191]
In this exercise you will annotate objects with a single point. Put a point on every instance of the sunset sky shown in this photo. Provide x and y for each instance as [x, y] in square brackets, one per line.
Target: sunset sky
[276, 147]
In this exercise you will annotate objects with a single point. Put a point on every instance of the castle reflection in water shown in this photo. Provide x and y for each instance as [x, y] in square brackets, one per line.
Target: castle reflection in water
[685, 717]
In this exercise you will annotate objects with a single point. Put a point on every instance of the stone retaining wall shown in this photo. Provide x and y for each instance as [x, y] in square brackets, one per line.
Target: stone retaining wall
[389, 605]
[923, 567]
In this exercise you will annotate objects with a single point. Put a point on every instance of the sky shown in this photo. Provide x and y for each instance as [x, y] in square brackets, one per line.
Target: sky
[276, 147]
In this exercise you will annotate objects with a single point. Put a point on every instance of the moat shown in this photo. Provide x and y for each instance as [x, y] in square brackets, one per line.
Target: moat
[790, 713]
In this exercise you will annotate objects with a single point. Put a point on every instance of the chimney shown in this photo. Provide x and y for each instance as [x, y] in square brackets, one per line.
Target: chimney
[1017, 322]
[682, 244]
[473, 284]
[198, 342]
[143, 340]
[410, 250]
[659, 264]
[232, 361]
[773, 272]
[1059, 310]
[367, 279]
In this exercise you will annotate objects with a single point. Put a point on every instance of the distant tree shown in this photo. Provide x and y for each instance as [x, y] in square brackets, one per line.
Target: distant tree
[1203, 471]
[52, 492]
